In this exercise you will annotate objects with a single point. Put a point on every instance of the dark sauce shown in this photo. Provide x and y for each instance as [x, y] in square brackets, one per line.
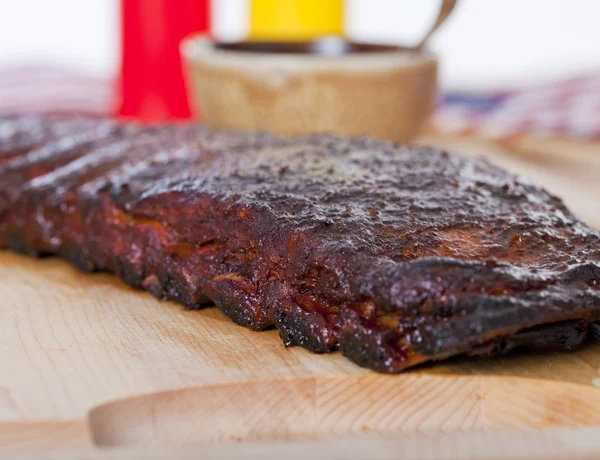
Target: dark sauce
[330, 46]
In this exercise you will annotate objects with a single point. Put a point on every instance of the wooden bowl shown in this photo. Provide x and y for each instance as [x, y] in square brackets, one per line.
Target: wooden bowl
[327, 86]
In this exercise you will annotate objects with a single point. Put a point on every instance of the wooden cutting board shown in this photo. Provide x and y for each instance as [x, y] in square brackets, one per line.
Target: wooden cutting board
[87, 362]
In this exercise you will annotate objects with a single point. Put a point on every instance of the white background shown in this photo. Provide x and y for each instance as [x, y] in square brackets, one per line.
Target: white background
[486, 43]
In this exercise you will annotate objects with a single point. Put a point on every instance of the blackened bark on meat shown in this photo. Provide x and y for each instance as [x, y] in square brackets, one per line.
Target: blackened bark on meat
[395, 255]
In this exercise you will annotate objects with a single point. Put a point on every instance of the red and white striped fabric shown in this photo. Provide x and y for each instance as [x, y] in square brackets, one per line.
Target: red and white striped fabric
[43, 89]
[568, 108]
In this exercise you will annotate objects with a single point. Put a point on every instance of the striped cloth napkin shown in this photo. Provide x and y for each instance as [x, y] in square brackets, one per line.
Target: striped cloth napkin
[47, 89]
[568, 108]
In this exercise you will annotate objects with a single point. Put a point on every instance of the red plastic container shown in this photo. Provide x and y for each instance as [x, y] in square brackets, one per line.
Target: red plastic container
[151, 81]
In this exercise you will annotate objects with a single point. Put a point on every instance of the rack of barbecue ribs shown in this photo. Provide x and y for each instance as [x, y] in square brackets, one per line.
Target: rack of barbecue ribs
[394, 255]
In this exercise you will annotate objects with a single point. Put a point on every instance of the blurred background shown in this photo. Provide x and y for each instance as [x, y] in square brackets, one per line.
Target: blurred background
[507, 66]
[485, 44]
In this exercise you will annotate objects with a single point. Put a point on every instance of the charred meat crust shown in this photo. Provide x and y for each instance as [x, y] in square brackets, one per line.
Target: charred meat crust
[395, 255]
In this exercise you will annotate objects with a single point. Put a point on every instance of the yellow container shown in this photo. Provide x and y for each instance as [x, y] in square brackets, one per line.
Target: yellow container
[295, 20]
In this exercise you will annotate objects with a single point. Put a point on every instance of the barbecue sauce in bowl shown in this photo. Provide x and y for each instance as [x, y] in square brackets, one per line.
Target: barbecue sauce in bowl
[328, 46]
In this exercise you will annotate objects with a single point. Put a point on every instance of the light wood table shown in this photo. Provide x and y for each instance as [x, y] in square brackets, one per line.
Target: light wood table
[87, 362]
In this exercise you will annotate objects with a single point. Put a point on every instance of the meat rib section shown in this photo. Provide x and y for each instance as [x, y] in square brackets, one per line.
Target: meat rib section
[395, 255]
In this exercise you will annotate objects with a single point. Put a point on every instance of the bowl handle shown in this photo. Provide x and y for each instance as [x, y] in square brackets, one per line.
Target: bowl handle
[445, 10]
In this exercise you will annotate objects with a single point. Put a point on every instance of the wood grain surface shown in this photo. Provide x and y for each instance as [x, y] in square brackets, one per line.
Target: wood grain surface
[87, 362]
[542, 445]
